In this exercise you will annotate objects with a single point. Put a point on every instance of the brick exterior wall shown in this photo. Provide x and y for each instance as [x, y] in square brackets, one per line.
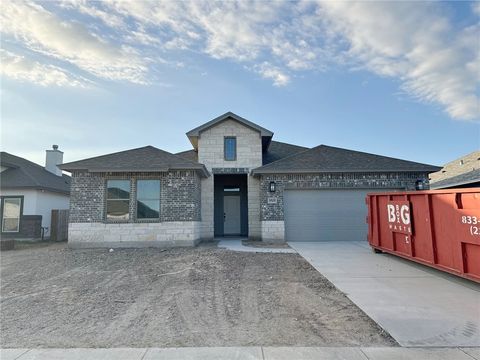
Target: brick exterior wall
[87, 197]
[273, 211]
[179, 196]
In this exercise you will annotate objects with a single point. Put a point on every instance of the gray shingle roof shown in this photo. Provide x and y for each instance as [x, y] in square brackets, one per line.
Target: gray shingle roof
[325, 158]
[462, 179]
[22, 173]
[191, 155]
[279, 150]
[142, 159]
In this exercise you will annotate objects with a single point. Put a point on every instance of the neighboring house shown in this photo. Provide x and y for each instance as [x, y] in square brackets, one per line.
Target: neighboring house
[29, 192]
[236, 181]
[460, 173]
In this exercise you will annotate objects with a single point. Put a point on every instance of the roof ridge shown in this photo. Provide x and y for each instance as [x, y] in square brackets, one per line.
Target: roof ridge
[366, 153]
[23, 159]
[145, 157]
[31, 163]
[114, 153]
[229, 114]
[325, 158]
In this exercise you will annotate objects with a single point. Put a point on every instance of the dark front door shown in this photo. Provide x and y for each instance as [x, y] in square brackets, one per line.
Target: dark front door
[231, 214]
[230, 205]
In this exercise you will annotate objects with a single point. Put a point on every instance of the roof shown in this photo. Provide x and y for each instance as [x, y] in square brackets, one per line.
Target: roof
[191, 155]
[279, 150]
[264, 133]
[22, 173]
[459, 166]
[276, 151]
[325, 158]
[459, 180]
[146, 158]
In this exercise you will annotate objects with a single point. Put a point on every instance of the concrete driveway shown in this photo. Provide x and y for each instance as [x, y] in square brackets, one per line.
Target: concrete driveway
[417, 305]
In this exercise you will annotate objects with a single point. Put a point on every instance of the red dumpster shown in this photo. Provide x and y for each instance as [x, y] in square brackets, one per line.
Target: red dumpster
[438, 228]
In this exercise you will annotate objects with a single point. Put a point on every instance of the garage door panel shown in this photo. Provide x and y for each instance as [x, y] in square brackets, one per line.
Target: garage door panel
[325, 215]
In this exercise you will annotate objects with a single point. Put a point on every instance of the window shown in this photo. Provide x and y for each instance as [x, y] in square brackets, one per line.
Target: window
[11, 214]
[118, 199]
[148, 199]
[230, 148]
[231, 189]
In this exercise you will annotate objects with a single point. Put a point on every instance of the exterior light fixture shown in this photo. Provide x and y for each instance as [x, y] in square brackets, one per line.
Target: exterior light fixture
[420, 185]
[271, 186]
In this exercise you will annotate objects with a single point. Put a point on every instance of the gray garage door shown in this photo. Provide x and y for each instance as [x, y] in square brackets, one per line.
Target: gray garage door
[325, 215]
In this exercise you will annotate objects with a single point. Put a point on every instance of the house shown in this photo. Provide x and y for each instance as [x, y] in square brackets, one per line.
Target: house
[463, 172]
[235, 181]
[29, 192]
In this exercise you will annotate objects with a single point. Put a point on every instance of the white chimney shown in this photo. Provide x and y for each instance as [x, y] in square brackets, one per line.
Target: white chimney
[54, 158]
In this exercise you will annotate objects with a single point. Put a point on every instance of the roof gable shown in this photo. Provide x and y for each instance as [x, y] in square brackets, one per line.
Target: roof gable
[264, 133]
[144, 159]
[325, 158]
[276, 151]
[22, 173]
[458, 180]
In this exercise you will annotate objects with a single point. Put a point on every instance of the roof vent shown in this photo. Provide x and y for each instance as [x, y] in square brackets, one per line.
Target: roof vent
[55, 147]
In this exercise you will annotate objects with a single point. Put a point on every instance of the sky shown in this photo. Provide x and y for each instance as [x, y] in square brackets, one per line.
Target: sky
[399, 79]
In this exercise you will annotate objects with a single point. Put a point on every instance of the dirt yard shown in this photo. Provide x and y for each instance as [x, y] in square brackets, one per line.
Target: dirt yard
[55, 297]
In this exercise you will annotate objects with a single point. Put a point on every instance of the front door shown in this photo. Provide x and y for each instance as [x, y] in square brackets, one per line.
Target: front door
[231, 215]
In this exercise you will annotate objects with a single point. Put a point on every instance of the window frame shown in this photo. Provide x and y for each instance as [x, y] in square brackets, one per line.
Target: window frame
[157, 219]
[2, 206]
[128, 200]
[225, 138]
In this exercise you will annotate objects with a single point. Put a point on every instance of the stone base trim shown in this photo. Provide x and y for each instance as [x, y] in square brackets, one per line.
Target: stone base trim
[133, 244]
[164, 234]
[273, 231]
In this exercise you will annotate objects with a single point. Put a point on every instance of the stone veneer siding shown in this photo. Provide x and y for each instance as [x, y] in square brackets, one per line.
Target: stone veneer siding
[273, 231]
[180, 212]
[144, 234]
[274, 212]
[249, 156]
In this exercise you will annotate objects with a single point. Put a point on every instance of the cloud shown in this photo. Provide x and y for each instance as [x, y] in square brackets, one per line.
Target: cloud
[24, 69]
[415, 43]
[269, 71]
[476, 7]
[434, 62]
[83, 7]
[42, 31]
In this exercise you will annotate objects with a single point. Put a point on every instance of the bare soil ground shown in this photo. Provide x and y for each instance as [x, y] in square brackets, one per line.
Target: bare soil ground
[52, 296]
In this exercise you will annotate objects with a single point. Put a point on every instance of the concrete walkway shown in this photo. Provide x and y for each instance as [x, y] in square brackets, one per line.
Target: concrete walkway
[417, 305]
[237, 245]
[244, 353]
